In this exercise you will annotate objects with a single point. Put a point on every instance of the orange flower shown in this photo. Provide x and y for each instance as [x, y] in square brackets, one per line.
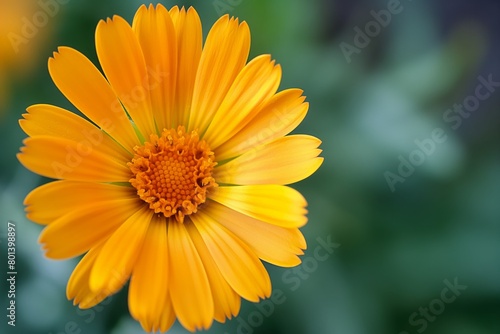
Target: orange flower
[178, 180]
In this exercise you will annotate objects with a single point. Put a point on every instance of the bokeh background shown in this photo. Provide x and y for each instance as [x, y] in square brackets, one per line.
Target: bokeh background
[393, 252]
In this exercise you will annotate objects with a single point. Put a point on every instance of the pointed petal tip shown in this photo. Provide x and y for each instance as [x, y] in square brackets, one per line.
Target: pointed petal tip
[160, 6]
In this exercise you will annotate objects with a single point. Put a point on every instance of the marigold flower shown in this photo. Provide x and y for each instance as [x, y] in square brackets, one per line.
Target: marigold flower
[177, 178]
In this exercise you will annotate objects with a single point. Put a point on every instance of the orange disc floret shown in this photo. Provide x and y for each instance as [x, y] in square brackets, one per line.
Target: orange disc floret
[173, 172]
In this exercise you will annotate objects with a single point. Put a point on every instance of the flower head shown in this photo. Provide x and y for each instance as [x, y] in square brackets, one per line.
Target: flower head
[176, 179]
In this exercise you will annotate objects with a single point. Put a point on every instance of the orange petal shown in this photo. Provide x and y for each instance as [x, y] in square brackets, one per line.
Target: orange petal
[60, 158]
[283, 161]
[274, 204]
[256, 83]
[148, 290]
[167, 316]
[274, 244]
[78, 283]
[81, 229]
[189, 287]
[71, 195]
[226, 301]
[189, 45]
[115, 261]
[278, 117]
[223, 56]
[157, 38]
[237, 263]
[123, 62]
[84, 86]
[52, 121]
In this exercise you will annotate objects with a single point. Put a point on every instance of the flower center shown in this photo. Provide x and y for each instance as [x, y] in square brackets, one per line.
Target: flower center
[173, 172]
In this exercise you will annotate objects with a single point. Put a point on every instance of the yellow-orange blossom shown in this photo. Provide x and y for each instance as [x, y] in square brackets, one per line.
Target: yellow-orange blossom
[177, 179]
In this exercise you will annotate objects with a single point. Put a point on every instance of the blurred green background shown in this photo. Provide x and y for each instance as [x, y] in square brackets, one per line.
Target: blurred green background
[396, 246]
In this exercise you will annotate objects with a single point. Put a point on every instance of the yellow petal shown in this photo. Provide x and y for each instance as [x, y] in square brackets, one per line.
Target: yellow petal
[122, 61]
[189, 287]
[60, 158]
[226, 301]
[278, 117]
[283, 161]
[47, 120]
[157, 38]
[78, 283]
[148, 289]
[167, 316]
[189, 44]
[237, 263]
[256, 83]
[43, 209]
[115, 261]
[84, 86]
[274, 204]
[274, 244]
[223, 56]
[81, 229]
